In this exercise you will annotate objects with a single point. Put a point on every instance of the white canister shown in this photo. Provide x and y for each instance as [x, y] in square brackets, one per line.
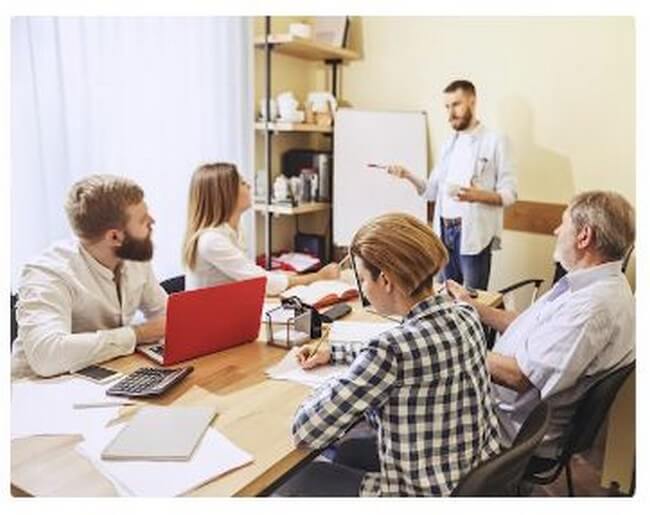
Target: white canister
[302, 30]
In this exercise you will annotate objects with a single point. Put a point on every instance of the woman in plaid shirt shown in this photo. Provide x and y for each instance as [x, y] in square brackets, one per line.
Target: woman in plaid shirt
[423, 385]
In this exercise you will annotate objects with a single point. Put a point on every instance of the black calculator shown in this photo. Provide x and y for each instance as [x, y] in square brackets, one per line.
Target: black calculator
[148, 382]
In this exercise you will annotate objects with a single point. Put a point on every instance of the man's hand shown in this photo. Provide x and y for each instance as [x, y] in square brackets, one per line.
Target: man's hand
[151, 331]
[469, 194]
[331, 271]
[474, 194]
[457, 291]
[320, 357]
[398, 171]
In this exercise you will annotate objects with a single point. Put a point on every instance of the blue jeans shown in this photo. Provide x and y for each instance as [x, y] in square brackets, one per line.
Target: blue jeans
[470, 270]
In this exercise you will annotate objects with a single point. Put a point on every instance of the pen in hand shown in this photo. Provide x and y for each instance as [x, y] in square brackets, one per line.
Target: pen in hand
[375, 165]
[324, 336]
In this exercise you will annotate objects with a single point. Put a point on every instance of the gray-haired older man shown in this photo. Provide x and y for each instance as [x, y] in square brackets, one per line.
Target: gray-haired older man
[579, 331]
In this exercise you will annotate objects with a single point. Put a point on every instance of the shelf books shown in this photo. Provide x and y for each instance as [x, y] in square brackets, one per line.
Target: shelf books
[323, 293]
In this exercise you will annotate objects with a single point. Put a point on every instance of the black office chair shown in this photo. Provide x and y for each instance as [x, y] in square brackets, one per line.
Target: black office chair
[586, 422]
[14, 323]
[500, 476]
[174, 284]
[508, 291]
[626, 259]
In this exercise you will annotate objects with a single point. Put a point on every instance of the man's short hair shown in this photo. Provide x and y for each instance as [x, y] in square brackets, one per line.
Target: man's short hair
[465, 85]
[98, 203]
[611, 218]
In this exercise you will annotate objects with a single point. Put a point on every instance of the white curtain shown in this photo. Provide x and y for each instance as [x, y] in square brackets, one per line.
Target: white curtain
[147, 98]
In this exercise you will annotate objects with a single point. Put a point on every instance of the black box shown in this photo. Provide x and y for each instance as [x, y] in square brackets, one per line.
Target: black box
[313, 244]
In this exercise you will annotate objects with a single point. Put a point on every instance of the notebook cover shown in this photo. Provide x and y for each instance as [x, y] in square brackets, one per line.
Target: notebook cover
[161, 434]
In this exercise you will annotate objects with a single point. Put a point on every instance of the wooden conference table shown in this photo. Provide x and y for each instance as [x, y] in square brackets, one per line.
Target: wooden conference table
[255, 413]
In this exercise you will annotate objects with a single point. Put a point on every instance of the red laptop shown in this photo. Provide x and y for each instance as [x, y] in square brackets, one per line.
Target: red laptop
[208, 320]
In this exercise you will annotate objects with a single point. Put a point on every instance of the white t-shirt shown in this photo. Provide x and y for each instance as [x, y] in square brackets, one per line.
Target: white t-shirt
[480, 157]
[221, 259]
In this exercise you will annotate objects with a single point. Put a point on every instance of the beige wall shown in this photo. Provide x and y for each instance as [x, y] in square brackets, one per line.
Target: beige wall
[562, 89]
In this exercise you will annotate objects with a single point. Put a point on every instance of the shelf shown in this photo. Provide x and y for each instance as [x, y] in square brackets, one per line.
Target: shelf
[295, 46]
[308, 207]
[293, 127]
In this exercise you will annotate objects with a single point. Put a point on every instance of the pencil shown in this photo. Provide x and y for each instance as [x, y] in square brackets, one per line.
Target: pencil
[344, 260]
[325, 334]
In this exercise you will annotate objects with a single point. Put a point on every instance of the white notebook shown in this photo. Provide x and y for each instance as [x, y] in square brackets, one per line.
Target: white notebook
[161, 434]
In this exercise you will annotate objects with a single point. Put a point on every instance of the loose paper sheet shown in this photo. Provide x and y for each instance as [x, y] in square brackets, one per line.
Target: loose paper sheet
[215, 455]
[45, 407]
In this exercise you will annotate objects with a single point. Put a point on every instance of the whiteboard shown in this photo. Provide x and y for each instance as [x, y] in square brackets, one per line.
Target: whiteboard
[361, 193]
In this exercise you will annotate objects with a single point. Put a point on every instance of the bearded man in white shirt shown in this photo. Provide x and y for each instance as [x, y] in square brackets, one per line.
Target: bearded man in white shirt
[77, 300]
[575, 334]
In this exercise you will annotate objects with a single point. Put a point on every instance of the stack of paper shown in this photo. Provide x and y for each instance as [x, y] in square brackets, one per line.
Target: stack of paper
[45, 407]
[290, 370]
[215, 455]
[297, 261]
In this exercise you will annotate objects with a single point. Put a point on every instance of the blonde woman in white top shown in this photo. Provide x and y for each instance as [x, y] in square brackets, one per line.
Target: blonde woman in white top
[213, 250]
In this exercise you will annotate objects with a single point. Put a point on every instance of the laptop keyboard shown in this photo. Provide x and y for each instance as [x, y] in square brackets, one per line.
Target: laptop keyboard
[158, 349]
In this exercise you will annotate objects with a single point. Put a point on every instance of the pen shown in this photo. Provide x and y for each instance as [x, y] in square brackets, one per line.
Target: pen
[101, 404]
[325, 334]
[374, 165]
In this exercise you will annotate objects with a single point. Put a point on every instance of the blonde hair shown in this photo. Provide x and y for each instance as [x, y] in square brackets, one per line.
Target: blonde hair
[611, 218]
[98, 203]
[402, 247]
[214, 190]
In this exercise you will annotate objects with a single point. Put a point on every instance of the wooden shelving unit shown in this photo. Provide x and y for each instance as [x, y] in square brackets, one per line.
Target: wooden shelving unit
[292, 127]
[300, 209]
[309, 50]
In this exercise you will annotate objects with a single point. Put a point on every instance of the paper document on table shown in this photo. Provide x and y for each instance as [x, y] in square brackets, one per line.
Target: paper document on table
[361, 332]
[46, 407]
[214, 456]
[290, 370]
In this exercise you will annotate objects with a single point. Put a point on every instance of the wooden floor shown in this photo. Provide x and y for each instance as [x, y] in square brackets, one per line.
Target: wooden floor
[586, 472]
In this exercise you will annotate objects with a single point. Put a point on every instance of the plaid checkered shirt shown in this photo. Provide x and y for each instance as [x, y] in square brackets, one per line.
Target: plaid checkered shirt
[425, 388]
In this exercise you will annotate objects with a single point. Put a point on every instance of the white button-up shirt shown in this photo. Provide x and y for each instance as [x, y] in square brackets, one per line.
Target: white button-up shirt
[581, 329]
[221, 259]
[480, 158]
[69, 313]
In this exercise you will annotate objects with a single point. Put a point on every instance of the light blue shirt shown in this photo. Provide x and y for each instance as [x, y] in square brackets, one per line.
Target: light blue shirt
[572, 336]
[482, 158]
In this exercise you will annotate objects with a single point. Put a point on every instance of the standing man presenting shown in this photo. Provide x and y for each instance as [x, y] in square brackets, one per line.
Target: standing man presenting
[471, 183]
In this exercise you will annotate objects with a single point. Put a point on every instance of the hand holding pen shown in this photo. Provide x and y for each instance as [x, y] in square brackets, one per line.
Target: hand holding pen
[398, 171]
[310, 356]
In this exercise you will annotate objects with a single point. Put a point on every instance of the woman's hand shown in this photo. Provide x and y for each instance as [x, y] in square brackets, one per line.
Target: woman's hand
[307, 358]
[331, 271]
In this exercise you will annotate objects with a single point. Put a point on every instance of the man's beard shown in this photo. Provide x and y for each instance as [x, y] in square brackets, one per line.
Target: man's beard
[564, 256]
[135, 249]
[463, 123]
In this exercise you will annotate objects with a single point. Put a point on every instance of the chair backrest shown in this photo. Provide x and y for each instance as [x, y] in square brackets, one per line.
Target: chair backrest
[14, 322]
[626, 259]
[592, 410]
[174, 284]
[500, 476]
[520, 295]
